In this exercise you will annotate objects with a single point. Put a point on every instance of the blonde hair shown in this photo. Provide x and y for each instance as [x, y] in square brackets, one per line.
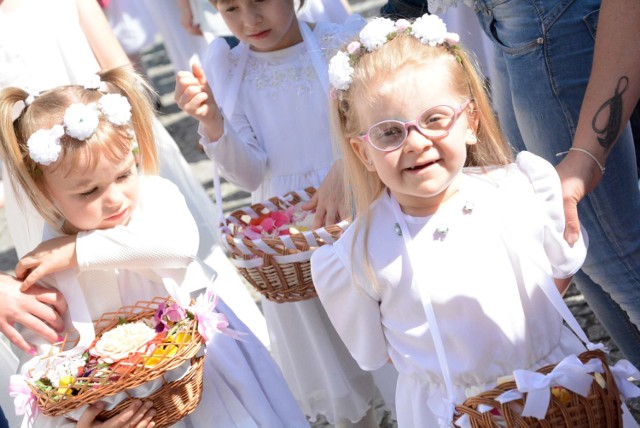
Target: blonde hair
[48, 109]
[402, 51]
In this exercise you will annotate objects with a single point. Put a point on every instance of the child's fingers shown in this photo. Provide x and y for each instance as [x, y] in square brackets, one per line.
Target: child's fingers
[55, 300]
[32, 277]
[198, 73]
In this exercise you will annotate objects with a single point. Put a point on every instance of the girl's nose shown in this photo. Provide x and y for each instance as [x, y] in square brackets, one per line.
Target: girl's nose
[113, 196]
[252, 18]
[416, 141]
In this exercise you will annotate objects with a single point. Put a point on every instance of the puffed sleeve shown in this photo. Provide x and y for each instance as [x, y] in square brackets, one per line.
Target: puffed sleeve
[565, 260]
[354, 313]
[161, 234]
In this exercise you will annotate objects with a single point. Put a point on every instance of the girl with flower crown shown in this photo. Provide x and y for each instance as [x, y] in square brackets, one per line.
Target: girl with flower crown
[454, 266]
[85, 157]
[263, 116]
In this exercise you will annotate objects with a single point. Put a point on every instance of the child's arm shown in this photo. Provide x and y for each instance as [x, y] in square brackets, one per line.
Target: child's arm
[194, 96]
[50, 256]
[328, 200]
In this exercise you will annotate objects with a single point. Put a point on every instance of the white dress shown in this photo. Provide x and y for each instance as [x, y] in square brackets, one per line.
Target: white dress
[42, 46]
[492, 317]
[243, 387]
[279, 141]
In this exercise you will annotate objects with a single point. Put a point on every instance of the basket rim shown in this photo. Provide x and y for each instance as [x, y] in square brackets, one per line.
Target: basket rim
[277, 244]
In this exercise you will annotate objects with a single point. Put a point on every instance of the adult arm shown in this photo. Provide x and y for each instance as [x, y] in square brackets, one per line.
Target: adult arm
[39, 310]
[611, 95]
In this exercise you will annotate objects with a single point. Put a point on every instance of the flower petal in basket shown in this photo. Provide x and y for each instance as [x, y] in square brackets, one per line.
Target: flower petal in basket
[276, 264]
[105, 378]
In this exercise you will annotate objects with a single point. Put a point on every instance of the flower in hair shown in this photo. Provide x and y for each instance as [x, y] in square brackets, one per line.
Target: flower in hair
[115, 108]
[44, 145]
[429, 29]
[93, 82]
[340, 71]
[81, 120]
[375, 33]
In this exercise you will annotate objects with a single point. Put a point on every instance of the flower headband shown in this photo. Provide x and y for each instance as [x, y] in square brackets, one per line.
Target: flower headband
[80, 122]
[429, 29]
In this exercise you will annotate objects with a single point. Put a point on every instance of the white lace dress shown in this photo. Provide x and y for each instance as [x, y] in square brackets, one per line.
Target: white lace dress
[276, 141]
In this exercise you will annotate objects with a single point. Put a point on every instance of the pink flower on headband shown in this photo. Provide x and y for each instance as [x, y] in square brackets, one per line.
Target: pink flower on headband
[354, 47]
[402, 25]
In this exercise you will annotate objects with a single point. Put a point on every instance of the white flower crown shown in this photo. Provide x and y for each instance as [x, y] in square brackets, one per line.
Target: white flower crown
[429, 29]
[80, 122]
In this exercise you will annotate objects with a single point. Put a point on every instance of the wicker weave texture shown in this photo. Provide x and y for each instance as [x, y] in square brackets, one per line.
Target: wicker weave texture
[278, 281]
[601, 408]
[130, 374]
[173, 401]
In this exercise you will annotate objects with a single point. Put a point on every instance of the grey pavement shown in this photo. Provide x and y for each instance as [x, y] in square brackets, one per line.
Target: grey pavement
[183, 129]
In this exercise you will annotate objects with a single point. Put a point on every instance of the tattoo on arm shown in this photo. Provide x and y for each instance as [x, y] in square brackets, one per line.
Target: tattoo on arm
[608, 132]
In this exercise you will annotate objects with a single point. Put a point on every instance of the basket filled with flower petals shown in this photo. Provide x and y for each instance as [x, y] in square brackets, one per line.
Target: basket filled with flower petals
[152, 350]
[271, 243]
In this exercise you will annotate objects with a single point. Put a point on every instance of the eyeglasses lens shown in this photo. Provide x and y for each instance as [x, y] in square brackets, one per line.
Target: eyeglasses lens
[433, 123]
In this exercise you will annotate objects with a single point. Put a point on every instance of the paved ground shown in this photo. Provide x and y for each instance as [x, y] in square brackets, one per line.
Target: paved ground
[183, 129]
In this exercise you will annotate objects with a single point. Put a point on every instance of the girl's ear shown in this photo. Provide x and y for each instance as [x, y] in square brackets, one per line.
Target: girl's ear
[360, 149]
[473, 120]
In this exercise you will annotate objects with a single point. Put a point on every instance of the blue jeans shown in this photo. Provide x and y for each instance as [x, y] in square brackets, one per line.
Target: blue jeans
[544, 50]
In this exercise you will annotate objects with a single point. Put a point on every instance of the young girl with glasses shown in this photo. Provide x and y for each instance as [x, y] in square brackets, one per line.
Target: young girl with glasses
[85, 157]
[263, 113]
[441, 271]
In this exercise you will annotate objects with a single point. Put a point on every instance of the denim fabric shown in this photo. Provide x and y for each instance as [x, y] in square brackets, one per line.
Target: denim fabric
[544, 50]
[3, 420]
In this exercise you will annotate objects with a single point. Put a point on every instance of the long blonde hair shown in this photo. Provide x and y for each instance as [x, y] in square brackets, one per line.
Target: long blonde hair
[48, 109]
[407, 51]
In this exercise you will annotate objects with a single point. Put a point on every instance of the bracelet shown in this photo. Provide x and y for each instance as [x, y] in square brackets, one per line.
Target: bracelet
[586, 152]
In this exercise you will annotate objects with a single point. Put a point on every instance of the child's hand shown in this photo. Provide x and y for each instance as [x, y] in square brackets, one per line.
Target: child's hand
[328, 200]
[137, 415]
[51, 256]
[39, 310]
[193, 95]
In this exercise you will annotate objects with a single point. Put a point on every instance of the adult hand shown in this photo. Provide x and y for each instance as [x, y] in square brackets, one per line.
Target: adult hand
[329, 200]
[193, 95]
[578, 176]
[137, 415]
[48, 257]
[39, 309]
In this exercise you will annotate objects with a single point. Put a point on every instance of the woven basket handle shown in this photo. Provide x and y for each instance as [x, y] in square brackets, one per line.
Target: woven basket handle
[69, 286]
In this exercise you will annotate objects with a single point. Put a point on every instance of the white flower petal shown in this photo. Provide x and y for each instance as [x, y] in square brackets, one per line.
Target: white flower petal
[44, 145]
[340, 71]
[115, 108]
[375, 33]
[81, 120]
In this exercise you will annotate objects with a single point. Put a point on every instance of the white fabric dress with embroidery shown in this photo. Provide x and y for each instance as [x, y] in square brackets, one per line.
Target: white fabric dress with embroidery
[277, 140]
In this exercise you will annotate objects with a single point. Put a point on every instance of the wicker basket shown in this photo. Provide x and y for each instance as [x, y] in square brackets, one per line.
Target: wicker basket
[278, 268]
[173, 400]
[601, 408]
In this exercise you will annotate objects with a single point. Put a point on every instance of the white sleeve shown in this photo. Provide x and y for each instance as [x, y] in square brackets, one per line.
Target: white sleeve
[162, 234]
[354, 314]
[241, 159]
[565, 260]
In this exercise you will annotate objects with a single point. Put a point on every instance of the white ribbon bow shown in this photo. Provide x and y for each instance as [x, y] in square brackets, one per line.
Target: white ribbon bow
[622, 371]
[569, 373]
